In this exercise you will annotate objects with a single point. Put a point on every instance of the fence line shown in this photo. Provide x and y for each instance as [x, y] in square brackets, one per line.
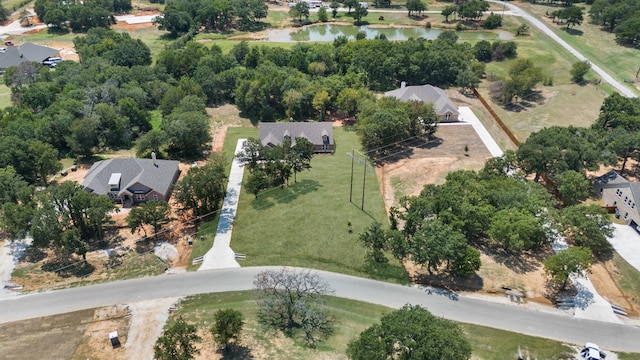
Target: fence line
[504, 127]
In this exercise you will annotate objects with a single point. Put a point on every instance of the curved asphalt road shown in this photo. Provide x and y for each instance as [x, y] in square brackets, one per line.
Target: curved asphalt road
[513, 318]
[545, 29]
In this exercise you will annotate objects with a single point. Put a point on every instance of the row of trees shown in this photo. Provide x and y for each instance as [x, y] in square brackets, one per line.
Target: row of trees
[219, 15]
[79, 16]
[619, 17]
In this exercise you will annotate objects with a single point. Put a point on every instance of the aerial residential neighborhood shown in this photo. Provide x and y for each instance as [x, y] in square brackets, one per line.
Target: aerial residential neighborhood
[254, 179]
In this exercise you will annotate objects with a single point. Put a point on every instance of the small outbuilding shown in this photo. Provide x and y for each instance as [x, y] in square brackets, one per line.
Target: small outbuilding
[115, 340]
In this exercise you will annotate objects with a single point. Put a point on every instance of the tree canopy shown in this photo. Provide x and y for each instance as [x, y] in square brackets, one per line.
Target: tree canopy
[411, 332]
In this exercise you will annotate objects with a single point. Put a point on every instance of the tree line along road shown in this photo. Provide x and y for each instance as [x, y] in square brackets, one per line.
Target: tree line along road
[550, 325]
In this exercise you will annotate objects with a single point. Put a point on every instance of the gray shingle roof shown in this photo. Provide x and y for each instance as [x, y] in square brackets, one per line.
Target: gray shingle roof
[132, 171]
[425, 93]
[273, 133]
[610, 178]
[16, 55]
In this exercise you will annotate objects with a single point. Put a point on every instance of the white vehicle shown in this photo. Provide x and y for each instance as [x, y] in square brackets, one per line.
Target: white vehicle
[313, 3]
[591, 351]
[364, 5]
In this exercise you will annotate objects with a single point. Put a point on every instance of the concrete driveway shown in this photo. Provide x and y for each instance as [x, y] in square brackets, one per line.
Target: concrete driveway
[626, 241]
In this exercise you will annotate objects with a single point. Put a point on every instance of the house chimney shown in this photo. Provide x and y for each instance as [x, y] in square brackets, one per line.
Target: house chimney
[153, 157]
[403, 85]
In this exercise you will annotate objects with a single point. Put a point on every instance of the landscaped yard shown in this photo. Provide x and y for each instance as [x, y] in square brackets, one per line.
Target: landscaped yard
[311, 223]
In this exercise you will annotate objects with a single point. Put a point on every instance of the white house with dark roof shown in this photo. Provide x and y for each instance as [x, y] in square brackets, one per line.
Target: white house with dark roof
[16, 55]
[621, 193]
[130, 181]
[428, 94]
[320, 134]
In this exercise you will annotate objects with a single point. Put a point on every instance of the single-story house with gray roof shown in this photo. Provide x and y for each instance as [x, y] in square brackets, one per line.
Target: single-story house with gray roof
[130, 181]
[320, 134]
[428, 94]
[621, 193]
[16, 55]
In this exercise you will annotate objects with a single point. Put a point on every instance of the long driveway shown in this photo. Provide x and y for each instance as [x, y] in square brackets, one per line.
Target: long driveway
[551, 325]
[624, 90]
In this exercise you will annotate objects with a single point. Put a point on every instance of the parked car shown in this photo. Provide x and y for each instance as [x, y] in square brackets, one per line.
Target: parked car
[8, 43]
[591, 351]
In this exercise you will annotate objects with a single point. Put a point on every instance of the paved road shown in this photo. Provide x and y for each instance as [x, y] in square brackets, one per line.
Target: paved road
[624, 90]
[552, 325]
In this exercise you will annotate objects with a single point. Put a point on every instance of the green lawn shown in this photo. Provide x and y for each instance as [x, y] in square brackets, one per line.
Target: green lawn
[5, 96]
[628, 278]
[352, 318]
[306, 223]
[562, 104]
[598, 46]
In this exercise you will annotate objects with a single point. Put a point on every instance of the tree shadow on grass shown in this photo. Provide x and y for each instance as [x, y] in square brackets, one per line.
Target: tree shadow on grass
[68, 267]
[450, 282]
[34, 254]
[286, 195]
[385, 271]
[405, 149]
[235, 352]
[573, 31]
[520, 263]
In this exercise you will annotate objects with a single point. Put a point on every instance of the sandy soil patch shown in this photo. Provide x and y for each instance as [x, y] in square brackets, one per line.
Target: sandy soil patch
[147, 322]
[10, 254]
[95, 343]
[431, 163]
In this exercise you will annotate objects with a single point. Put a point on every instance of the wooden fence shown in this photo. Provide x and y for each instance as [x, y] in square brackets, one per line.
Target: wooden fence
[504, 128]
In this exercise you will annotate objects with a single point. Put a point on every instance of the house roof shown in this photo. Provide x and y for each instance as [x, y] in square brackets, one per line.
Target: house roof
[425, 93]
[273, 133]
[16, 55]
[130, 172]
[614, 180]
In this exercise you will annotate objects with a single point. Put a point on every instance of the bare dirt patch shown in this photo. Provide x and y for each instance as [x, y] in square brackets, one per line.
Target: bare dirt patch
[95, 342]
[431, 163]
[148, 319]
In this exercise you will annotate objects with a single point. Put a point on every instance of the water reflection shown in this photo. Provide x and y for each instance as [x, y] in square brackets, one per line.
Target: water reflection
[328, 32]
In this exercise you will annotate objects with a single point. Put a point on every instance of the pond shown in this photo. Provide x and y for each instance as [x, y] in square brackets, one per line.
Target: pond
[328, 32]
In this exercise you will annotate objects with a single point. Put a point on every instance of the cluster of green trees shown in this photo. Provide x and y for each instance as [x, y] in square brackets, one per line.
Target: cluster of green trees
[271, 166]
[619, 17]
[411, 332]
[179, 338]
[497, 207]
[79, 16]
[571, 15]
[65, 218]
[523, 78]
[466, 10]
[219, 15]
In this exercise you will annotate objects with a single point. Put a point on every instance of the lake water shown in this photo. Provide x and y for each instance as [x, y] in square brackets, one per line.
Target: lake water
[328, 32]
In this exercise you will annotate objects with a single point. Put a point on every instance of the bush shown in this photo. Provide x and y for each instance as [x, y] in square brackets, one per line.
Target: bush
[428, 25]
[548, 81]
[492, 22]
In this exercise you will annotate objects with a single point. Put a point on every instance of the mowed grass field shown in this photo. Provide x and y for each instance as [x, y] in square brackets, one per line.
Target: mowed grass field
[352, 317]
[597, 45]
[563, 103]
[307, 222]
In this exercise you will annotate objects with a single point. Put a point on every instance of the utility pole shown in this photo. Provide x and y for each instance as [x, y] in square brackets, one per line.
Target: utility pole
[353, 157]
[364, 178]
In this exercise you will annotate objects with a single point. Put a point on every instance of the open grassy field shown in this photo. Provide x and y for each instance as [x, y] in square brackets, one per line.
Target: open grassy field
[563, 103]
[352, 318]
[597, 45]
[307, 223]
[5, 96]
